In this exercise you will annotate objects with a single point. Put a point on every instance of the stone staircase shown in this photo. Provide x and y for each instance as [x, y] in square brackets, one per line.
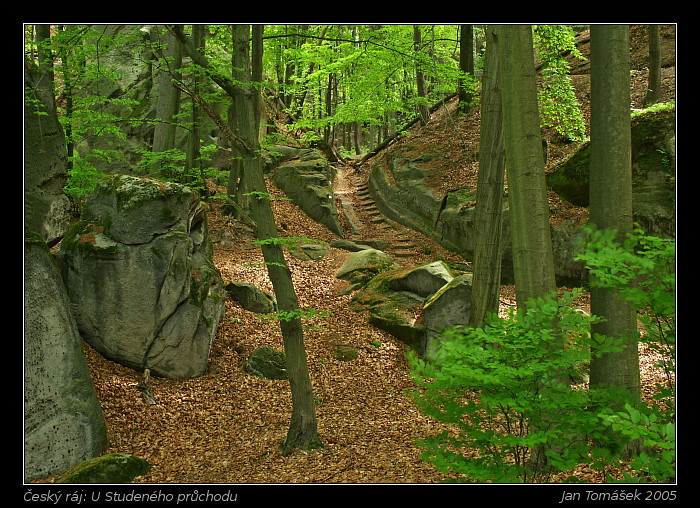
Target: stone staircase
[401, 243]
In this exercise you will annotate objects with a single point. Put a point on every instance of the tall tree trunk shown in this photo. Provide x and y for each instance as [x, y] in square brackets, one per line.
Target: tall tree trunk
[302, 433]
[654, 87]
[420, 79]
[466, 64]
[533, 261]
[194, 144]
[168, 95]
[238, 185]
[486, 284]
[611, 196]
[531, 244]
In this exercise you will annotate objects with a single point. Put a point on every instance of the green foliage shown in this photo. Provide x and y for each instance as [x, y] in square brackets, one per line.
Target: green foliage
[82, 178]
[642, 269]
[504, 388]
[559, 107]
[658, 434]
[290, 315]
[168, 163]
[370, 68]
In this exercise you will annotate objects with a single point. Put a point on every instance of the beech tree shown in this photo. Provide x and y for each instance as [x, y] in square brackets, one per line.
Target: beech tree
[654, 88]
[533, 261]
[486, 284]
[611, 197]
[303, 431]
[168, 95]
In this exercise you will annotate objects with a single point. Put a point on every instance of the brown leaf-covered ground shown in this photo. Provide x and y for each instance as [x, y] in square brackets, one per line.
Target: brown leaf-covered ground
[226, 426]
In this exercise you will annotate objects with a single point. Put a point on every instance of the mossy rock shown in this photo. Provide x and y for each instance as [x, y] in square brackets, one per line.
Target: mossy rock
[111, 468]
[267, 363]
[361, 266]
[345, 353]
[652, 150]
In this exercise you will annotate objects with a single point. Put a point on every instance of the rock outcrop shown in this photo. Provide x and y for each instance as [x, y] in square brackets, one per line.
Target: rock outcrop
[63, 420]
[139, 271]
[251, 298]
[113, 468]
[653, 172]
[267, 363]
[46, 207]
[306, 177]
[416, 304]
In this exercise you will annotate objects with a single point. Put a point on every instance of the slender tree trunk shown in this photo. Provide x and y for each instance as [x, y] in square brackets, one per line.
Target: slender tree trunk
[193, 143]
[533, 261]
[654, 88]
[302, 433]
[466, 64]
[611, 196]
[238, 186]
[168, 95]
[486, 283]
[420, 79]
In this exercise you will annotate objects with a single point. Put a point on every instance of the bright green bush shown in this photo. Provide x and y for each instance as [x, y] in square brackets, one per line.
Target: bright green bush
[505, 388]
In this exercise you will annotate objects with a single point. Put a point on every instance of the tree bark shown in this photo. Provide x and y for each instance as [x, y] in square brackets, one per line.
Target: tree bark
[533, 261]
[302, 433]
[654, 87]
[193, 142]
[466, 64]
[611, 196]
[486, 282]
[420, 79]
[168, 96]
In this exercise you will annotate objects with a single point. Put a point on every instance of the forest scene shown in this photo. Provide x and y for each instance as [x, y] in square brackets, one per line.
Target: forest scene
[350, 254]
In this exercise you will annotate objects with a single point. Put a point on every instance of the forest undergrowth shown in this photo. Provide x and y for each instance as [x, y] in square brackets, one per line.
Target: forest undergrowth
[226, 426]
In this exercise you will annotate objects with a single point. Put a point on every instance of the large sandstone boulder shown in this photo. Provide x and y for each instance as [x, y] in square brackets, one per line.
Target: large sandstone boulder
[46, 207]
[447, 308]
[139, 271]
[107, 469]
[362, 265]
[251, 298]
[306, 177]
[653, 171]
[417, 304]
[63, 420]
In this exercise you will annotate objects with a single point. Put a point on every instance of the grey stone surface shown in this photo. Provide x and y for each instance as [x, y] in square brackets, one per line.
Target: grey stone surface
[106, 469]
[63, 420]
[251, 298]
[139, 271]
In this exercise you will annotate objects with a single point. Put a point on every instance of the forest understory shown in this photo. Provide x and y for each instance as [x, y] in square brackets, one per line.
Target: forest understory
[227, 426]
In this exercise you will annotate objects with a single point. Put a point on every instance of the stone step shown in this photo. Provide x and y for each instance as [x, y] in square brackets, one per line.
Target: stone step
[404, 246]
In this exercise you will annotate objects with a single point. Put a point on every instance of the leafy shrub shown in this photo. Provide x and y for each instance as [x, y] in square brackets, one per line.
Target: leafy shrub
[642, 269]
[505, 388]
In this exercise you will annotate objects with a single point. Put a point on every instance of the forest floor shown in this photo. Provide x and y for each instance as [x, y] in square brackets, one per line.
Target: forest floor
[226, 426]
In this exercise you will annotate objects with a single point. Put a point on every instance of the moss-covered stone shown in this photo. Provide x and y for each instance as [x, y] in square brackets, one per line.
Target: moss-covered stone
[346, 353]
[652, 150]
[107, 469]
[268, 363]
